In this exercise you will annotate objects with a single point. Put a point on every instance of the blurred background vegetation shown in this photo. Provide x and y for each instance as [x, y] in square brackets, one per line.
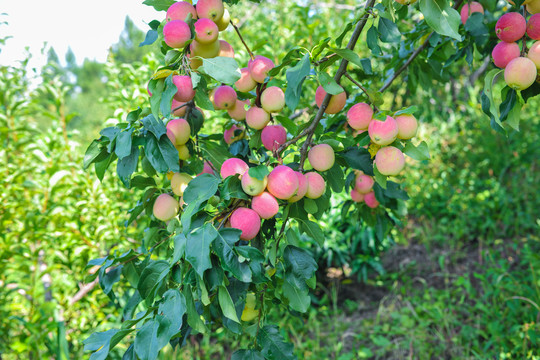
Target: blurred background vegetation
[459, 280]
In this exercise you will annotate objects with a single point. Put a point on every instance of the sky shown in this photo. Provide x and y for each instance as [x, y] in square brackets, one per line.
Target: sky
[89, 27]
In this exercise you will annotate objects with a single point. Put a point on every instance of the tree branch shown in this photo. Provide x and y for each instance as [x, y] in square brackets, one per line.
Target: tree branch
[242, 40]
[348, 76]
[341, 71]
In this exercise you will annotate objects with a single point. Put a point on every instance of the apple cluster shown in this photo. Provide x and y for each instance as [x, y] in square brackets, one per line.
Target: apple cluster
[389, 159]
[520, 71]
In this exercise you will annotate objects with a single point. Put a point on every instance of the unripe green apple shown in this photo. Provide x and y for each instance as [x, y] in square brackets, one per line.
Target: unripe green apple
[316, 185]
[246, 220]
[273, 99]
[165, 207]
[520, 73]
[321, 157]
[257, 118]
[265, 205]
[223, 23]
[336, 104]
[183, 152]
[282, 182]
[206, 51]
[233, 166]
[407, 126]
[179, 183]
[533, 7]
[389, 160]
[253, 186]
[383, 132]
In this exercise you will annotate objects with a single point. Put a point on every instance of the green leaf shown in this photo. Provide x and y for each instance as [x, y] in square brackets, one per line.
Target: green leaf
[312, 230]
[193, 317]
[173, 308]
[379, 178]
[388, 31]
[198, 248]
[199, 190]
[156, 127]
[127, 166]
[476, 27]
[295, 78]
[509, 100]
[159, 5]
[222, 69]
[123, 143]
[203, 101]
[259, 172]
[336, 178]
[151, 338]
[359, 158]
[103, 342]
[167, 95]
[142, 182]
[420, 152]
[224, 247]
[350, 56]
[273, 344]
[394, 191]
[226, 304]
[151, 37]
[299, 299]
[372, 40]
[299, 261]
[329, 84]
[488, 105]
[94, 153]
[151, 276]
[161, 154]
[408, 111]
[441, 17]
[247, 355]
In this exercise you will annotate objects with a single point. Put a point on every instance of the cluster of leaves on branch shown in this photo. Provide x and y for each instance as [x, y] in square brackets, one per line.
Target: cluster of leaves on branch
[246, 197]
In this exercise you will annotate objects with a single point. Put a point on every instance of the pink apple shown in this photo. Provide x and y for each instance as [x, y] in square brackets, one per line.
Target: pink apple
[273, 99]
[238, 112]
[165, 207]
[259, 68]
[176, 33]
[316, 185]
[511, 27]
[257, 118]
[185, 90]
[363, 183]
[371, 200]
[389, 160]
[282, 182]
[246, 82]
[180, 131]
[180, 11]
[229, 134]
[224, 97]
[225, 49]
[265, 205]
[272, 136]
[475, 7]
[383, 132]
[336, 104]
[504, 52]
[302, 187]
[210, 9]
[321, 157]
[233, 166]
[246, 220]
[359, 116]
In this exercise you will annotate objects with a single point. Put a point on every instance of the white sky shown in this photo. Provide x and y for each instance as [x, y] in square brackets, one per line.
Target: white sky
[89, 27]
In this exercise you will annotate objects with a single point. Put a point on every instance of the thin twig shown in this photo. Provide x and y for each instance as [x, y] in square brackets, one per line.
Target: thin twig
[348, 76]
[242, 40]
[324, 59]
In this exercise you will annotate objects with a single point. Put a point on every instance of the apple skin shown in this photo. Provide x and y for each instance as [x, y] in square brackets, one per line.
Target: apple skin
[302, 187]
[336, 104]
[224, 22]
[533, 7]
[184, 85]
[179, 130]
[272, 136]
[265, 205]
[533, 27]
[183, 152]
[257, 118]
[165, 207]
[246, 220]
[389, 160]
[206, 31]
[383, 132]
[179, 182]
[316, 185]
[238, 112]
[179, 112]
[228, 135]
[225, 97]
[210, 9]
[534, 54]
[356, 196]
[206, 51]
[233, 166]
[359, 116]
[207, 168]
[253, 186]
[259, 68]
[363, 183]
[321, 157]
[176, 34]
[504, 52]
[282, 182]
[371, 200]
[225, 49]
[520, 73]
[511, 27]
[246, 82]
[407, 126]
[273, 99]
[475, 7]
[180, 11]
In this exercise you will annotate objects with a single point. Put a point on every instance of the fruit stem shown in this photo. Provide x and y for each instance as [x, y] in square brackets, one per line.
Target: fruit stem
[524, 48]
[242, 40]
